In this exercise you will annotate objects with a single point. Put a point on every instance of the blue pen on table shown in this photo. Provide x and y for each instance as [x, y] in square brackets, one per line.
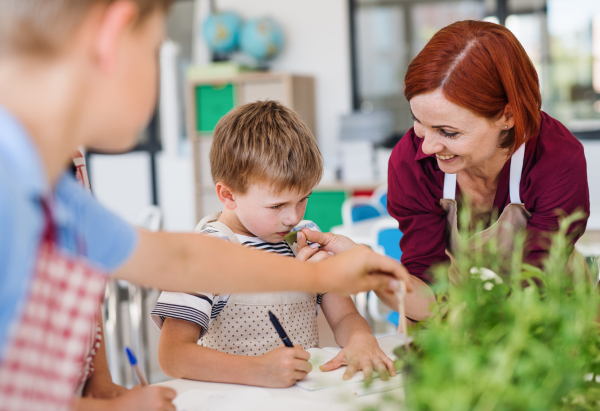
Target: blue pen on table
[136, 367]
[282, 334]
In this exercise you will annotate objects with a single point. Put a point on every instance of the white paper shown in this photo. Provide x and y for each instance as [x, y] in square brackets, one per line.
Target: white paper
[317, 379]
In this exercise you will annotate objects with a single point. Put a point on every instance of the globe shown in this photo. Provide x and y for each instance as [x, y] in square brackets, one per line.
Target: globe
[261, 38]
[222, 32]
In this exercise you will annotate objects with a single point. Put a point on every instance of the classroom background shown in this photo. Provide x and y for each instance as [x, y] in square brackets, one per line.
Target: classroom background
[340, 64]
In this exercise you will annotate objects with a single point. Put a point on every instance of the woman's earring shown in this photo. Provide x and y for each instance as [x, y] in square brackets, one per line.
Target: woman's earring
[505, 127]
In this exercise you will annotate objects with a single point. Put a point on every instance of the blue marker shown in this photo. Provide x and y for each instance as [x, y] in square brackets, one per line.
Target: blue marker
[135, 366]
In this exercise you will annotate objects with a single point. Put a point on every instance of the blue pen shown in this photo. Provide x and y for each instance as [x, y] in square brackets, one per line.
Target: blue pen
[135, 366]
[282, 334]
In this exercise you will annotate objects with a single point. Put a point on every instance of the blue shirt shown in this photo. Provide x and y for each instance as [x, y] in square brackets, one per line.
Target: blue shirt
[78, 217]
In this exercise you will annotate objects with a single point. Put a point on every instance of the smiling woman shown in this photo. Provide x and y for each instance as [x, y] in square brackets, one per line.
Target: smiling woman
[479, 138]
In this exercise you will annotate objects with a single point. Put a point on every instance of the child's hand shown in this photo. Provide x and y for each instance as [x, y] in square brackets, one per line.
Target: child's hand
[103, 389]
[283, 366]
[333, 243]
[362, 353]
[145, 398]
[311, 253]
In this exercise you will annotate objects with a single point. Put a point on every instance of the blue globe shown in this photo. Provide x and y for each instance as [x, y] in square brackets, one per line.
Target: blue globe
[261, 38]
[222, 32]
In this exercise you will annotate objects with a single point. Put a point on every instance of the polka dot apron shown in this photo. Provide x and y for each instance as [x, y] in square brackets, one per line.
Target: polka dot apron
[243, 327]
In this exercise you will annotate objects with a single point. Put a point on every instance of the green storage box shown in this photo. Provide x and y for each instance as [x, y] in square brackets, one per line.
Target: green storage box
[325, 208]
[212, 103]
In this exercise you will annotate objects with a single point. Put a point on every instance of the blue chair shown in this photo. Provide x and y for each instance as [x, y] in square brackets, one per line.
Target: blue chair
[389, 240]
[356, 209]
[386, 235]
[379, 197]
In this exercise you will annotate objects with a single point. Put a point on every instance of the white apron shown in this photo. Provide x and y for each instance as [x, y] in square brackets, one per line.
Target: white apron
[512, 220]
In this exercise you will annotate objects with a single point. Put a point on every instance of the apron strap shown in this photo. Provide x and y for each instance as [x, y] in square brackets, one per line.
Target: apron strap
[516, 169]
[225, 230]
[49, 233]
[450, 186]
[211, 221]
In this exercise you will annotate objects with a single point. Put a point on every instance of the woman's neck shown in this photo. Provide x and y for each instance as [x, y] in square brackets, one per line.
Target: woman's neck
[488, 171]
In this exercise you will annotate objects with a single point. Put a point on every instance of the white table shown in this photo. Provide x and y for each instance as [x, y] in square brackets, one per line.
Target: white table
[340, 398]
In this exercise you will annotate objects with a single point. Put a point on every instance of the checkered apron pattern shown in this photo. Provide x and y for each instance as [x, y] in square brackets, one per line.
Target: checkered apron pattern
[96, 332]
[47, 349]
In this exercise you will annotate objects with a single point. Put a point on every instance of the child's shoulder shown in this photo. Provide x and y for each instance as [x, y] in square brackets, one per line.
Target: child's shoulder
[213, 232]
[205, 227]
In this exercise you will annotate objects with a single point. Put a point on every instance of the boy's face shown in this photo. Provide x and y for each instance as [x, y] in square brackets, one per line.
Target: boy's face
[268, 215]
[125, 92]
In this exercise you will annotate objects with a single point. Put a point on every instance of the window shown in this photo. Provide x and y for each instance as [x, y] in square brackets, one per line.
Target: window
[562, 38]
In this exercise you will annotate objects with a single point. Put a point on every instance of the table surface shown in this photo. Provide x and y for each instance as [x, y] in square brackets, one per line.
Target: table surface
[340, 398]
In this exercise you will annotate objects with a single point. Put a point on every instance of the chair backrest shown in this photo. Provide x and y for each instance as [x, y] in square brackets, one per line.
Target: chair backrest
[357, 209]
[379, 197]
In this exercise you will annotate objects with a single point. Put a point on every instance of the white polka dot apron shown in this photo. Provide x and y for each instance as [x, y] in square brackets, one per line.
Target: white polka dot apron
[243, 327]
[46, 352]
[512, 220]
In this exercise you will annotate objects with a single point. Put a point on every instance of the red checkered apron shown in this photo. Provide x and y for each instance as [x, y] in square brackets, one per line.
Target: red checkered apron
[46, 352]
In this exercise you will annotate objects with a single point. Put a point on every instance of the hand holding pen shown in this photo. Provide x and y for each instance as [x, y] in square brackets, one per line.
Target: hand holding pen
[143, 397]
[284, 365]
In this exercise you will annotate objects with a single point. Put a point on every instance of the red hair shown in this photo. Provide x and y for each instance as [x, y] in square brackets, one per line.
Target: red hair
[482, 67]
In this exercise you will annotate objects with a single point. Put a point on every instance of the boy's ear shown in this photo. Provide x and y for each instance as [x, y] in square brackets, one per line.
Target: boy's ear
[116, 19]
[226, 195]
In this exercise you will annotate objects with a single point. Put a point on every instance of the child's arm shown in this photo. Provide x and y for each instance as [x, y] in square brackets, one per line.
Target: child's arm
[139, 398]
[361, 350]
[180, 356]
[184, 262]
[100, 384]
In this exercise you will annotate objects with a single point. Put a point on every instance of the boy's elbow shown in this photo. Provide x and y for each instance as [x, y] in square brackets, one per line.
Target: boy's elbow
[169, 363]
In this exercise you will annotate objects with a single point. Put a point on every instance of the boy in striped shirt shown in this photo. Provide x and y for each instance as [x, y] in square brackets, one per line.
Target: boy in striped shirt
[265, 163]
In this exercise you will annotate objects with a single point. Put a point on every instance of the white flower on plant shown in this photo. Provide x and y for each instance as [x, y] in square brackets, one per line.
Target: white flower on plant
[486, 275]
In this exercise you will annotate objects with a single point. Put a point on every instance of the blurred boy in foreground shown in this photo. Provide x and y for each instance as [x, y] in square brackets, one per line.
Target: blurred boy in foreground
[84, 73]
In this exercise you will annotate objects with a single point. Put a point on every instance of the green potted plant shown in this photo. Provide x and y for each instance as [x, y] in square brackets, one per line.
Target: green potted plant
[511, 337]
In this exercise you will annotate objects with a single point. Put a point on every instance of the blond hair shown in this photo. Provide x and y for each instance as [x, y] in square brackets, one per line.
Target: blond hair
[265, 143]
[43, 27]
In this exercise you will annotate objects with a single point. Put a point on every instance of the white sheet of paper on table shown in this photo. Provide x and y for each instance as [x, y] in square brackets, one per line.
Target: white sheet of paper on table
[204, 400]
[317, 379]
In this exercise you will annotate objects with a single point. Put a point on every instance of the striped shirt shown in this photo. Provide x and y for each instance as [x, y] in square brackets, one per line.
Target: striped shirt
[203, 308]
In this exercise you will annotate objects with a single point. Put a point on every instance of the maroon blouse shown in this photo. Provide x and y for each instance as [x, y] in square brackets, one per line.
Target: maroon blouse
[554, 177]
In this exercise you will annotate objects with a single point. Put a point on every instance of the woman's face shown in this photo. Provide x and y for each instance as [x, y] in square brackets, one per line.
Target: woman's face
[459, 138]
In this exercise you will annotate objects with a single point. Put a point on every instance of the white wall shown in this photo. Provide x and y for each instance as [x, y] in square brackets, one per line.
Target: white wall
[317, 43]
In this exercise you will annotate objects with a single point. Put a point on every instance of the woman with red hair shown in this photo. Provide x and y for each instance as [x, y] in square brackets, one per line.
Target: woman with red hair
[479, 133]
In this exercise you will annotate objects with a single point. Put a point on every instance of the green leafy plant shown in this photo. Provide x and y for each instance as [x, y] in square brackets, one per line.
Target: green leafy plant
[510, 337]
